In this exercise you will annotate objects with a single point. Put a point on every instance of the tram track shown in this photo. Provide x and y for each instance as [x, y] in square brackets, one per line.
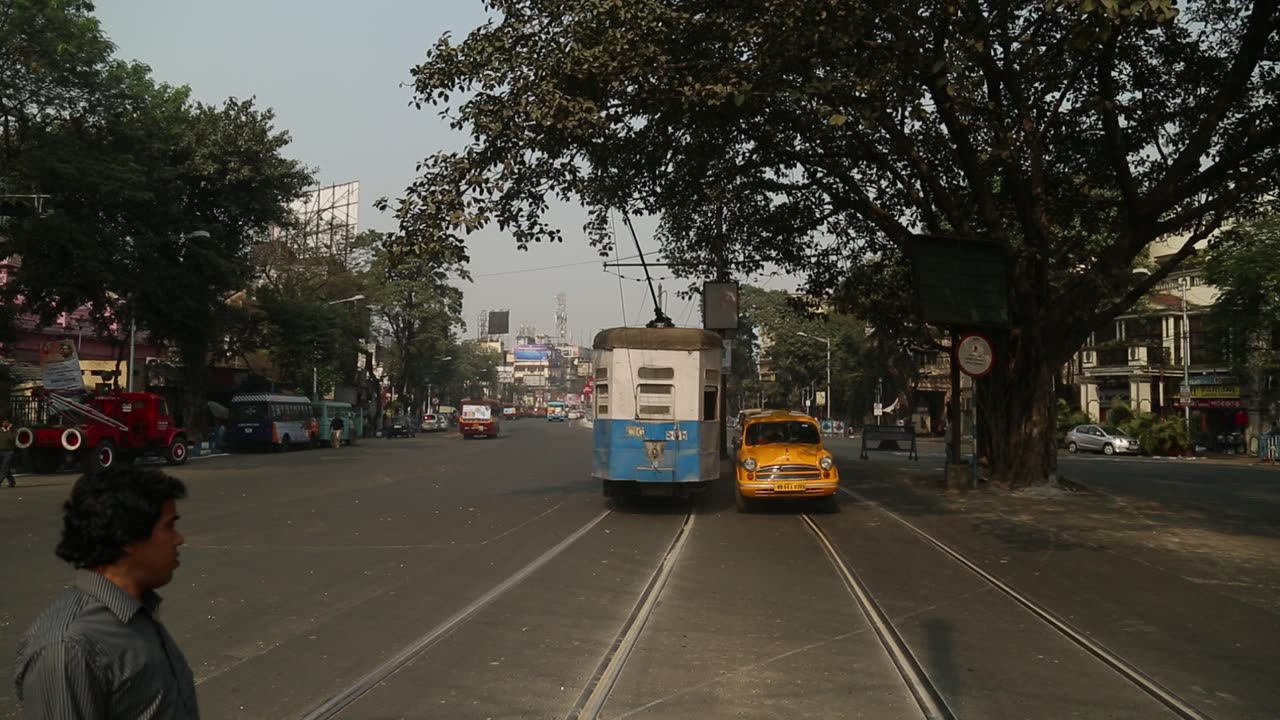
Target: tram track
[595, 694]
[926, 694]
[344, 698]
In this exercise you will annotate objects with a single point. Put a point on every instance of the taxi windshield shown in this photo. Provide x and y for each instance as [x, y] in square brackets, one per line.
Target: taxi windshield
[783, 431]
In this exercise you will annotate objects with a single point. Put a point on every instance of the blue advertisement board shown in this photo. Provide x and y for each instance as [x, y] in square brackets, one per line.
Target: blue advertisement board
[533, 353]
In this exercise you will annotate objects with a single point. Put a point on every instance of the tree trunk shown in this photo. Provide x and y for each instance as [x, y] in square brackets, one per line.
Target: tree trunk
[1017, 416]
[195, 386]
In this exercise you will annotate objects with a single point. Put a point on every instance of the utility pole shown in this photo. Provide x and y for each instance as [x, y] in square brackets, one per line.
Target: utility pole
[1183, 282]
[953, 422]
[722, 275]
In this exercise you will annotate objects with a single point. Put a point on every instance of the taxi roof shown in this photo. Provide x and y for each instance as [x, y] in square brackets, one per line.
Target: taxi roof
[766, 415]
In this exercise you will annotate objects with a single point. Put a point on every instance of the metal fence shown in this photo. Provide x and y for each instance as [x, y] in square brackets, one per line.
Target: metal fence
[26, 410]
[1269, 448]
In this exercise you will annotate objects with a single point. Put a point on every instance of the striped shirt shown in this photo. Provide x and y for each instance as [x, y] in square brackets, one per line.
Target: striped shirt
[99, 654]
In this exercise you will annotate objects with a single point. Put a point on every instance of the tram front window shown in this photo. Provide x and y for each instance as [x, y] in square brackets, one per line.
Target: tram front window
[791, 432]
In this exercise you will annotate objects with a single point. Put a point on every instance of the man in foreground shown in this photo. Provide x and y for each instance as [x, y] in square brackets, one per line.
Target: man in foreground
[100, 650]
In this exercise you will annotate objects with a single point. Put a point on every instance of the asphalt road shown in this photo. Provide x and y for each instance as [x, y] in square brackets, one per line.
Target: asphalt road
[441, 578]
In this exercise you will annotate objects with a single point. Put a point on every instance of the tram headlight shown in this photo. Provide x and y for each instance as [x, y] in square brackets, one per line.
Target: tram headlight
[826, 463]
[749, 464]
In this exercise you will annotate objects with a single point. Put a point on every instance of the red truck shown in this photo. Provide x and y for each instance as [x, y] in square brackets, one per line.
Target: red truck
[104, 430]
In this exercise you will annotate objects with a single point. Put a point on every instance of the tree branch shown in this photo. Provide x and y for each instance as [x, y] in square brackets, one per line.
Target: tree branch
[928, 178]
[1137, 292]
[1220, 203]
[1213, 175]
[1117, 153]
[935, 82]
[1252, 45]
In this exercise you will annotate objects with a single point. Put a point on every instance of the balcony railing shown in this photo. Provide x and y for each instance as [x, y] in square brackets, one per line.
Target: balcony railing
[1112, 357]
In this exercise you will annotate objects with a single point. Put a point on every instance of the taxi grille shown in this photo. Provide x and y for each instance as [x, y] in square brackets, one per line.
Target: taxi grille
[788, 472]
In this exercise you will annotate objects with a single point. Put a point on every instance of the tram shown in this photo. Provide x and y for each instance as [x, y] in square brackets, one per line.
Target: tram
[657, 399]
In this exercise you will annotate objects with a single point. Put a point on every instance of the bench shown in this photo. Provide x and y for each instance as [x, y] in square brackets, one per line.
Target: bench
[887, 437]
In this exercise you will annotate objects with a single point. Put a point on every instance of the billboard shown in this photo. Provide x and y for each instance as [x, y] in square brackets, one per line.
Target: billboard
[499, 322]
[533, 354]
[60, 366]
[323, 223]
[506, 374]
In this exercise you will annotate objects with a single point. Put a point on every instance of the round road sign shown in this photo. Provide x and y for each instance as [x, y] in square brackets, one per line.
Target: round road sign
[974, 355]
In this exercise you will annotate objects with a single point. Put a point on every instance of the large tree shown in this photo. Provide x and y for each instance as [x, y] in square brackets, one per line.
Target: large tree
[133, 172]
[825, 134]
[414, 301]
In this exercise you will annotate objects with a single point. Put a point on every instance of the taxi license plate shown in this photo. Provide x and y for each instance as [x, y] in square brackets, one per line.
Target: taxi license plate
[789, 487]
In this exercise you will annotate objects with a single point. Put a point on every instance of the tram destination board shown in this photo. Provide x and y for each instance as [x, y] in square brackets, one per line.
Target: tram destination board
[960, 283]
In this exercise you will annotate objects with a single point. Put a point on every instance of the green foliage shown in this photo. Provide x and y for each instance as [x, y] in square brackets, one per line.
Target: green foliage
[1244, 263]
[1157, 436]
[1120, 413]
[800, 361]
[1069, 417]
[305, 336]
[52, 59]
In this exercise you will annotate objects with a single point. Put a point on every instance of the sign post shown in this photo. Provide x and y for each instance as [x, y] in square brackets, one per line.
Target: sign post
[975, 358]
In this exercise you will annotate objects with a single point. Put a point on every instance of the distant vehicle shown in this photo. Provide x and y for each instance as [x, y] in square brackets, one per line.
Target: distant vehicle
[281, 422]
[434, 423]
[509, 413]
[399, 426]
[575, 414]
[352, 419]
[557, 411]
[480, 418]
[1105, 439]
[104, 430]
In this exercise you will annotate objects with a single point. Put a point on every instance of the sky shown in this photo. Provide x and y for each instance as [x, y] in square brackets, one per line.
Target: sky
[333, 73]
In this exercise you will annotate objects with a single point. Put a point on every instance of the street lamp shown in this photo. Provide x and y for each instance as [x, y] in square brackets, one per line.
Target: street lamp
[133, 324]
[315, 372]
[827, 404]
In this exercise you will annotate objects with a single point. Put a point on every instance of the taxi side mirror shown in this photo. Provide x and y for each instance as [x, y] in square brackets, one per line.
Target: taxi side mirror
[737, 442]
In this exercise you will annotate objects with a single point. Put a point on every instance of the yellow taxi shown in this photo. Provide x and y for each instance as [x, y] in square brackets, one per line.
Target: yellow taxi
[780, 455]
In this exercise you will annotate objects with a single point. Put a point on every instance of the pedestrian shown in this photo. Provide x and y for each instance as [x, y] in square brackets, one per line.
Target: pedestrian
[8, 445]
[100, 650]
[336, 426]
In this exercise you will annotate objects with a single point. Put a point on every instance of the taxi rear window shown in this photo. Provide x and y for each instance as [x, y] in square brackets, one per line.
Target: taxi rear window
[783, 431]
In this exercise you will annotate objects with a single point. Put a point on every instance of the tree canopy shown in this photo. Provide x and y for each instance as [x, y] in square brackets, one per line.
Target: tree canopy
[823, 135]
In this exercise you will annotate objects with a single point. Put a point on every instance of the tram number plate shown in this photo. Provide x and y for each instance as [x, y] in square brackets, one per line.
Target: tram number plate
[677, 435]
[789, 487]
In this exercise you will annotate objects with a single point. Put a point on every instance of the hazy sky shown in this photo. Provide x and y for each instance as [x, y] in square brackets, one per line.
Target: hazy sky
[332, 72]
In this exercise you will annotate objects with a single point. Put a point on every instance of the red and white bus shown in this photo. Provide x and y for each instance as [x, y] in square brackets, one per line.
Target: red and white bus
[479, 417]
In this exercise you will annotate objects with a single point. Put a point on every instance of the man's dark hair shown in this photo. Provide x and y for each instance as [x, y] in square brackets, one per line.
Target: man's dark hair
[111, 509]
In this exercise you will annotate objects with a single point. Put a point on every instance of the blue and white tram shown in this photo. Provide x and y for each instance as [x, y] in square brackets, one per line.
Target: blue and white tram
[657, 399]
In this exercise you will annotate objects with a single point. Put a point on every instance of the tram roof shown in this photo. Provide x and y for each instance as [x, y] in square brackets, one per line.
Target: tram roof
[657, 339]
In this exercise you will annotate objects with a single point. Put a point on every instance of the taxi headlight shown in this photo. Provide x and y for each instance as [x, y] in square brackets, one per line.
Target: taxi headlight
[749, 464]
[826, 463]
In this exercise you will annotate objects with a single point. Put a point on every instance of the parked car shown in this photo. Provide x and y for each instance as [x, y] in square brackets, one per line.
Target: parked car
[432, 422]
[1105, 439]
[400, 427]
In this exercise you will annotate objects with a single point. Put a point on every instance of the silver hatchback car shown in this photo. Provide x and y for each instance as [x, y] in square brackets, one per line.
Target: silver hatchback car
[1105, 439]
